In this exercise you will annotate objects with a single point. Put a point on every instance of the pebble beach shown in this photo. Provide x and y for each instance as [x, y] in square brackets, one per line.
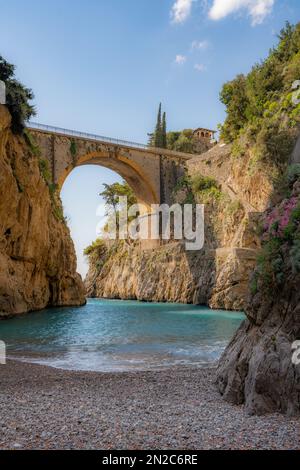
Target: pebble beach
[46, 408]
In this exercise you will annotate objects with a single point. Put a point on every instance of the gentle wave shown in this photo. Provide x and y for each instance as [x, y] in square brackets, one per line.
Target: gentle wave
[114, 335]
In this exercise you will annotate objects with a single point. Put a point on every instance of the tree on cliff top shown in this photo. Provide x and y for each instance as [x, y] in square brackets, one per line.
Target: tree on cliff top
[158, 138]
[182, 141]
[164, 131]
[260, 104]
[158, 129]
[111, 195]
[17, 97]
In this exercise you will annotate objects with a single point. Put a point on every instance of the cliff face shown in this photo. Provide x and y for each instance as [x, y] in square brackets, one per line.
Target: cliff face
[37, 257]
[218, 275]
[257, 367]
[171, 274]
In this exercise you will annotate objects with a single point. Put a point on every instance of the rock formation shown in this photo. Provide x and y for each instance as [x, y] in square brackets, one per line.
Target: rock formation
[257, 368]
[218, 275]
[37, 257]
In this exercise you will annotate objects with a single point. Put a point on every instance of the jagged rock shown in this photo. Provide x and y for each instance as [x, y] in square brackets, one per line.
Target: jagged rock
[256, 367]
[37, 257]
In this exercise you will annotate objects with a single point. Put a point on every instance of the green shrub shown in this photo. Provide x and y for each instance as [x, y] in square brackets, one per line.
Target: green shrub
[295, 256]
[293, 173]
[18, 97]
[34, 148]
[259, 105]
[73, 149]
[234, 207]
[58, 212]
[96, 246]
[201, 183]
[238, 149]
[184, 183]
[181, 141]
[45, 170]
[206, 189]
[253, 283]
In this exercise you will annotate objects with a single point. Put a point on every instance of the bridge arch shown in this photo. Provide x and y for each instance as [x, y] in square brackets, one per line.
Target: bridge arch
[127, 168]
[151, 172]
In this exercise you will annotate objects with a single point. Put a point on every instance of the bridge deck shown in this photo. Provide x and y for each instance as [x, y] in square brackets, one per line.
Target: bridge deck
[34, 126]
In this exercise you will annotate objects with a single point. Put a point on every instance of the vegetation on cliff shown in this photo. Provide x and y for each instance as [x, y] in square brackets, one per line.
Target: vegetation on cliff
[256, 367]
[263, 122]
[182, 141]
[158, 138]
[38, 261]
[112, 193]
[103, 247]
[197, 189]
[261, 113]
[179, 141]
[280, 235]
[18, 97]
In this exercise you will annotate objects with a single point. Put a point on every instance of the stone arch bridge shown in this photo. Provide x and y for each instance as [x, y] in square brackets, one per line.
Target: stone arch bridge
[151, 172]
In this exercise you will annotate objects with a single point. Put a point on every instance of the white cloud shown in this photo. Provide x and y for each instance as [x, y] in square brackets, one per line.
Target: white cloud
[200, 67]
[181, 10]
[200, 45]
[180, 59]
[257, 9]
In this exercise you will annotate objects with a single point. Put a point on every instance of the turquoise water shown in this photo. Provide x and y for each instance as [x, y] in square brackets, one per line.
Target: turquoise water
[113, 335]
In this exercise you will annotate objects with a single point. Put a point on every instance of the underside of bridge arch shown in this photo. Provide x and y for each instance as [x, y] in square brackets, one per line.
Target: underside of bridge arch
[150, 173]
[144, 190]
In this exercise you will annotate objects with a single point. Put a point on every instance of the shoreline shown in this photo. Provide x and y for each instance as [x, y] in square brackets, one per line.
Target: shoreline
[42, 407]
[27, 361]
[87, 299]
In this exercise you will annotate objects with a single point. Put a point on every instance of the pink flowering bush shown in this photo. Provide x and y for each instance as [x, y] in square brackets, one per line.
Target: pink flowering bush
[277, 221]
[280, 244]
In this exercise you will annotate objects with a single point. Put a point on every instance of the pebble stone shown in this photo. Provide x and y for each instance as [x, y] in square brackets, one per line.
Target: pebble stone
[179, 408]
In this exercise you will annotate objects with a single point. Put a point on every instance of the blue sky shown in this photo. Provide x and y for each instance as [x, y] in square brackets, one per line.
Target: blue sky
[103, 66]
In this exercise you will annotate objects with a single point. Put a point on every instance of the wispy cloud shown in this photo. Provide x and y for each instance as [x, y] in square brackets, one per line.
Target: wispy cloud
[181, 10]
[200, 67]
[199, 45]
[180, 59]
[257, 9]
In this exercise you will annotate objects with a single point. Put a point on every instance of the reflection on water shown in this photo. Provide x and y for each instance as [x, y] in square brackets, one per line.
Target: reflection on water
[113, 335]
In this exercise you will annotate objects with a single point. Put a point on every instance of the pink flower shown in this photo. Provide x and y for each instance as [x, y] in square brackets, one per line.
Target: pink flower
[278, 219]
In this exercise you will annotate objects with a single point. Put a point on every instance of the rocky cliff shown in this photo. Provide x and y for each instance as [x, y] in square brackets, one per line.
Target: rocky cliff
[37, 257]
[218, 275]
[235, 180]
[257, 367]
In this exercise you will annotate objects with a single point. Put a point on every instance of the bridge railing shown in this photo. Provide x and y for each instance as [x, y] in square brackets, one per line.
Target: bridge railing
[85, 135]
[101, 138]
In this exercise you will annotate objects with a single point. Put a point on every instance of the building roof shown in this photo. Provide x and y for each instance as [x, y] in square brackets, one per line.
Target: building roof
[204, 129]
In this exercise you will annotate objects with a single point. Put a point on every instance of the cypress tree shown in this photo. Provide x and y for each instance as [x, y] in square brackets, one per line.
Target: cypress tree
[158, 129]
[151, 139]
[164, 132]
